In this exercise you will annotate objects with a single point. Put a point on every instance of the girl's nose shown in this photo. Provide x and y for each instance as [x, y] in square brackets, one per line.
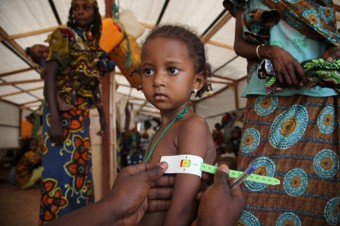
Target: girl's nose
[158, 79]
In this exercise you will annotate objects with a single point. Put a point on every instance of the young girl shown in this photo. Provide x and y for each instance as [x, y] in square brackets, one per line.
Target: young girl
[173, 67]
[73, 74]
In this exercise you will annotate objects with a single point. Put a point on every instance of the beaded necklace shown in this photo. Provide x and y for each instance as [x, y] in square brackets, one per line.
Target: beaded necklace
[179, 116]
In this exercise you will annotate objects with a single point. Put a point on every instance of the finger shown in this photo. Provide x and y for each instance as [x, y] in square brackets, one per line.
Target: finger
[156, 172]
[199, 196]
[134, 169]
[160, 193]
[279, 78]
[207, 178]
[158, 205]
[221, 176]
[237, 192]
[301, 74]
[286, 79]
[165, 181]
[59, 140]
[293, 76]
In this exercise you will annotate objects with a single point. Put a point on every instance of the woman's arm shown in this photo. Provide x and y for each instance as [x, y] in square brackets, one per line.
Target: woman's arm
[194, 138]
[100, 108]
[288, 70]
[56, 131]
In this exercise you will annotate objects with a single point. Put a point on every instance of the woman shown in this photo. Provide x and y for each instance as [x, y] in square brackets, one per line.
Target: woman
[73, 74]
[290, 127]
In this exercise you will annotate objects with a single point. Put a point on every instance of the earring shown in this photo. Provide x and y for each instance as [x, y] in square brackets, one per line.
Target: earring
[140, 88]
[195, 90]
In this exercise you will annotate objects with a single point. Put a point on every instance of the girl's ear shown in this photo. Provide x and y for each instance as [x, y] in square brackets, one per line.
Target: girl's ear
[200, 80]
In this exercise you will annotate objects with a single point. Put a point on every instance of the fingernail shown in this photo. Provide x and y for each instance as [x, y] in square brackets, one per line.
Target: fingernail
[224, 168]
[163, 165]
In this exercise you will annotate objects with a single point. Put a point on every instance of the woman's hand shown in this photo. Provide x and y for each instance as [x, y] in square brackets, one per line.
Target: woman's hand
[56, 133]
[331, 53]
[102, 122]
[289, 72]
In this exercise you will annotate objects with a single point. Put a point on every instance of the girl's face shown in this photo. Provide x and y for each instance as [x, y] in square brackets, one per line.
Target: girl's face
[83, 13]
[168, 75]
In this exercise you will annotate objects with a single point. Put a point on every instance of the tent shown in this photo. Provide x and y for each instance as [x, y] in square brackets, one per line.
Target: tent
[24, 23]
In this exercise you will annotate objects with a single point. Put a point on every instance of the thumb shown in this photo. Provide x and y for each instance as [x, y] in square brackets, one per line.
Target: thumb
[156, 171]
[221, 176]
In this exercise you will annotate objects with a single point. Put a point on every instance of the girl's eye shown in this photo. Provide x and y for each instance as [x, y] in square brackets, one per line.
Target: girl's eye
[173, 70]
[148, 72]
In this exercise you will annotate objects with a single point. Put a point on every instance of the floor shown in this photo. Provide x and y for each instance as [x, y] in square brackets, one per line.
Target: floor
[17, 207]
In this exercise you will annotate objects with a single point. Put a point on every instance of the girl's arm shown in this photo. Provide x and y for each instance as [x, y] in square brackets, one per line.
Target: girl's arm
[288, 70]
[194, 138]
[56, 131]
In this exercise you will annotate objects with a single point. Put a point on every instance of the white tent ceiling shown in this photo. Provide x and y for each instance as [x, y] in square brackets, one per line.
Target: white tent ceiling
[24, 23]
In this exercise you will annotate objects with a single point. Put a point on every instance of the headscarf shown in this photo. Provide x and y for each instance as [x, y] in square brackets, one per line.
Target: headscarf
[92, 2]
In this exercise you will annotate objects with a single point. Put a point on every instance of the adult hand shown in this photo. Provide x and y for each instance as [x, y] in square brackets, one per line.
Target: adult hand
[56, 133]
[289, 72]
[124, 205]
[331, 53]
[218, 205]
[103, 126]
[160, 194]
[130, 191]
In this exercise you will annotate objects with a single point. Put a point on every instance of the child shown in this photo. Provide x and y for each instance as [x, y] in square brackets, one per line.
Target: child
[173, 67]
[29, 168]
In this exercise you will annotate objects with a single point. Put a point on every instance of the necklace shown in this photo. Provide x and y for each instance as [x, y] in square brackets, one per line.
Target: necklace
[179, 116]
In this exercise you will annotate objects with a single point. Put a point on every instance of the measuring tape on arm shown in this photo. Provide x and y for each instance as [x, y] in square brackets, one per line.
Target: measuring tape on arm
[192, 164]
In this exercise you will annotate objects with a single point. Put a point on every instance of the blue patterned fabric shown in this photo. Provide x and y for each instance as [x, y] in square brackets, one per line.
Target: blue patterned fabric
[296, 140]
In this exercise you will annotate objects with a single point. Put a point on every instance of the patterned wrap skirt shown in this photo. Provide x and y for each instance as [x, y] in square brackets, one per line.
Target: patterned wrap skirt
[296, 140]
[67, 176]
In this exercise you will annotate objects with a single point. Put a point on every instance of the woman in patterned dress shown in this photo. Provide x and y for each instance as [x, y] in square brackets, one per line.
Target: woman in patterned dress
[73, 73]
[290, 132]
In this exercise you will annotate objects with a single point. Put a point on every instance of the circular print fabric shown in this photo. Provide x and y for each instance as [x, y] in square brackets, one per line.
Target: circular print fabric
[248, 219]
[332, 212]
[288, 127]
[326, 120]
[265, 105]
[288, 218]
[295, 182]
[250, 140]
[326, 163]
[264, 167]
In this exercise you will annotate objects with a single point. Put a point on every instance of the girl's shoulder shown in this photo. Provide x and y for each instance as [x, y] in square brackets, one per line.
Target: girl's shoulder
[195, 124]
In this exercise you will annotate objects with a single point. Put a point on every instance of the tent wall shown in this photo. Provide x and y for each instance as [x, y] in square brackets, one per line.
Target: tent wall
[212, 109]
[9, 125]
